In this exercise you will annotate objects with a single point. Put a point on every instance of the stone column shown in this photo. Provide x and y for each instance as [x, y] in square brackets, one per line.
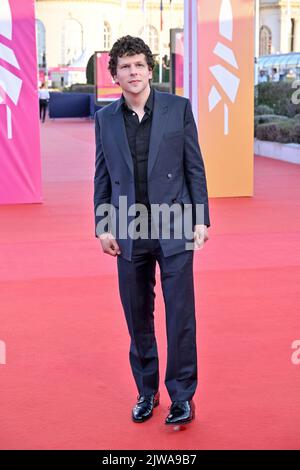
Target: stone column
[297, 35]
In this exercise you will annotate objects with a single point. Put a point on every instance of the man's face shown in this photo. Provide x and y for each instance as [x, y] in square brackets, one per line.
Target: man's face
[133, 73]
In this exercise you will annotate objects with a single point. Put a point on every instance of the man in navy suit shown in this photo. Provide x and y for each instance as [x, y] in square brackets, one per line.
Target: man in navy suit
[148, 160]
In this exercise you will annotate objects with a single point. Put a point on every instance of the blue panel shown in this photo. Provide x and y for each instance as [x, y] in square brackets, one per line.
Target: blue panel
[64, 105]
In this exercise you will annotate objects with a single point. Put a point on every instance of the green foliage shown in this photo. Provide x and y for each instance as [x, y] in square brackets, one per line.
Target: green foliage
[278, 97]
[284, 131]
[277, 117]
[90, 77]
[263, 109]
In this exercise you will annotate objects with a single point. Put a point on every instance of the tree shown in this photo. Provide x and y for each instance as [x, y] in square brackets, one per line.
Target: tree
[90, 71]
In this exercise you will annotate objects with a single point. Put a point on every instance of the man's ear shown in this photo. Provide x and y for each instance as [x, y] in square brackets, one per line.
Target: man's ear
[115, 80]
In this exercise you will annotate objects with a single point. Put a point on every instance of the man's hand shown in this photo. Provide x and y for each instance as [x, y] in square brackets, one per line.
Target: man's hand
[109, 244]
[200, 236]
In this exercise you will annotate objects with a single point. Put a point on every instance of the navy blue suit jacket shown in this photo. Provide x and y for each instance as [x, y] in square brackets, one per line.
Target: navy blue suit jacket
[176, 170]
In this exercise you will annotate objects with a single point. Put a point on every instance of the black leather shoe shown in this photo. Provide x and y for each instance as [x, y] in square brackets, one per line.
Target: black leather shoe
[144, 408]
[181, 412]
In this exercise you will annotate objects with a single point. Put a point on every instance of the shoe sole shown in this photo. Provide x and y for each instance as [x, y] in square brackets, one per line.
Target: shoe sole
[179, 423]
[156, 403]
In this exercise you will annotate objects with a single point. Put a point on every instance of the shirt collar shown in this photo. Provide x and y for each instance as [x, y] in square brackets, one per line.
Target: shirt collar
[148, 106]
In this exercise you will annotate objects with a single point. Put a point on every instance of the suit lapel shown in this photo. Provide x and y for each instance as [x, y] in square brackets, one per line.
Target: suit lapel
[159, 120]
[119, 130]
[157, 129]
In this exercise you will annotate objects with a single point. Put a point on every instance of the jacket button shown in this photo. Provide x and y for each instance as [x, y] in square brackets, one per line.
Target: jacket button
[169, 175]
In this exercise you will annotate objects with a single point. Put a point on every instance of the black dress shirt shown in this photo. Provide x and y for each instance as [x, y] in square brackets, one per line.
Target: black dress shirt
[138, 135]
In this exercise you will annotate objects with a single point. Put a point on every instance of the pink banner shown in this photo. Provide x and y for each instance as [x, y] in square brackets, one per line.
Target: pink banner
[66, 69]
[20, 163]
[106, 88]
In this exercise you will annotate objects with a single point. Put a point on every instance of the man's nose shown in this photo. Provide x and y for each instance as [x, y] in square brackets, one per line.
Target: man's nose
[133, 70]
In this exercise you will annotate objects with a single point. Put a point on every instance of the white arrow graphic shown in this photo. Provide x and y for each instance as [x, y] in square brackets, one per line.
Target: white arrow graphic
[226, 79]
[10, 84]
[5, 20]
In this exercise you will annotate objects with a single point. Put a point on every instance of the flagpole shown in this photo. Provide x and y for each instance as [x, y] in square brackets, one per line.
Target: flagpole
[144, 17]
[123, 12]
[160, 42]
[289, 31]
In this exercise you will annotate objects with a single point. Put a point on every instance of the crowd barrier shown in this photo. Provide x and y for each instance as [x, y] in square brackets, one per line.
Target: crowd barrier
[72, 105]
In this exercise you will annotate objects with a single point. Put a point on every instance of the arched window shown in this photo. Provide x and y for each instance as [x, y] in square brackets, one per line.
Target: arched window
[265, 41]
[72, 41]
[150, 35]
[41, 43]
[106, 36]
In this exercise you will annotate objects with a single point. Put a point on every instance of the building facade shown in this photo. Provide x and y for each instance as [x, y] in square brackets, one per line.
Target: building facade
[70, 31]
[279, 24]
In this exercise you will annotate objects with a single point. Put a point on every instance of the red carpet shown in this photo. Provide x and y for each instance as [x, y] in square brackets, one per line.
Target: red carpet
[66, 338]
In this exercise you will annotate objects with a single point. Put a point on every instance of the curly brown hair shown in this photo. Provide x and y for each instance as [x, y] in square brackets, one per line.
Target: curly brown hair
[127, 46]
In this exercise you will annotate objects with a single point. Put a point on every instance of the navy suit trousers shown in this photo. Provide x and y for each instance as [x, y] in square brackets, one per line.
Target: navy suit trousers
[136, 285]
